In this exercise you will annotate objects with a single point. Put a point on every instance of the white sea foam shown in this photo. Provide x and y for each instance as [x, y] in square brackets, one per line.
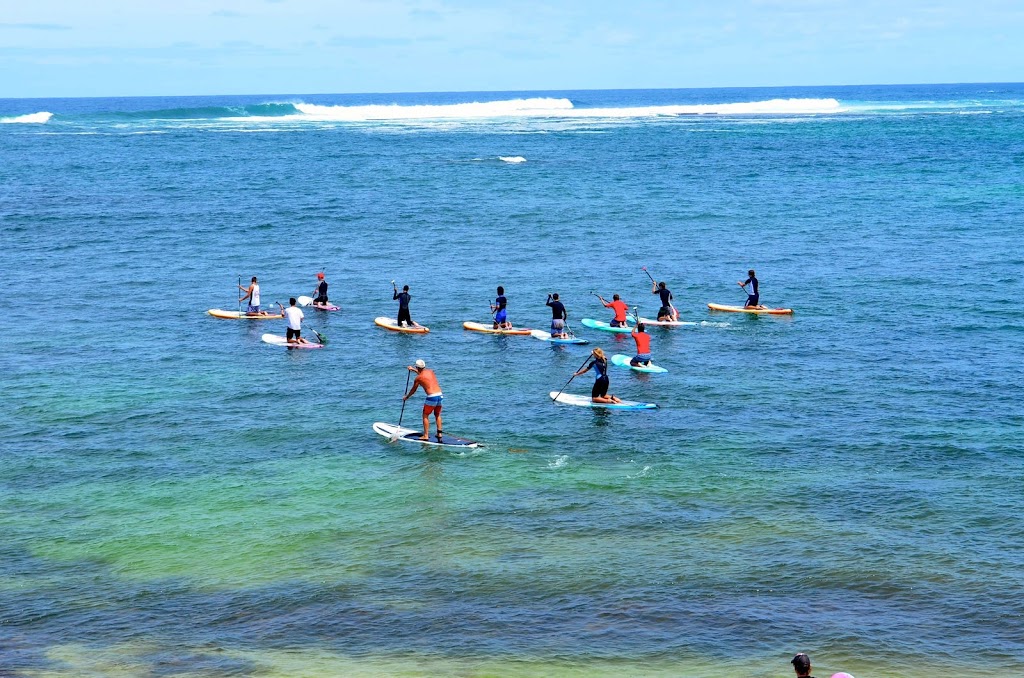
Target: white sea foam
[559, 461]
[36, 118]
[545, 108]
[512, 158]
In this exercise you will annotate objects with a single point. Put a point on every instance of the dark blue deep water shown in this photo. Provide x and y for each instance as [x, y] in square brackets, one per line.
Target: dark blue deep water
[179, 498]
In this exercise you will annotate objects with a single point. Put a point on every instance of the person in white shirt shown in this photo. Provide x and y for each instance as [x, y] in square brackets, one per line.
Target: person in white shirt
[294, 315]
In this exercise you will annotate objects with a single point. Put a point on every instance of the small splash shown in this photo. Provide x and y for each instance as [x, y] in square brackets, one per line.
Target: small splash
[32, 118]
[641, 474]
[514, 159]
[711, 323]
[559, 461]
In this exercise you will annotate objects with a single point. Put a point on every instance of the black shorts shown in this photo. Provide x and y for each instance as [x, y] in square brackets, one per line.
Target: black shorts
[320, 300]
[752, 299]
[600, 389]
[617, 323]
[664, 311]
[403, 316]
[293, 334]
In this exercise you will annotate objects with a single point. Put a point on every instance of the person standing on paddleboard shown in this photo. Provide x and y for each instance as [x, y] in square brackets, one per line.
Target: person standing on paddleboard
[500, 310]
[753, 297]
[667, 312]
[643, 346]
[403, 298]
[558, 317]
[252, 295]
[294, 315]
[320, 291]
[620, 309]
[599, 394]
[432, 405]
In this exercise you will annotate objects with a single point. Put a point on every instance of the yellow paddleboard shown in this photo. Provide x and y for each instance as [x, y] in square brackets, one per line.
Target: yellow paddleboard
[760, 310]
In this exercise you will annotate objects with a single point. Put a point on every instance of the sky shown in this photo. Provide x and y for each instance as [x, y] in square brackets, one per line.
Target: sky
[73, 48]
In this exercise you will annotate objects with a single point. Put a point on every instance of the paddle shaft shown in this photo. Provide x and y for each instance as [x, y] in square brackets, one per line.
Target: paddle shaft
[239, 298]
[408, 375]
[571, 378]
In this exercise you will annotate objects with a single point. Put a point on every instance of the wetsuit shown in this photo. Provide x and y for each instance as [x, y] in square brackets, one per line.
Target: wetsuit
[601, 382]
[666, 304]
[752, 296]
[558, 316]
[403, 307]
[501, 314]
[321, 292]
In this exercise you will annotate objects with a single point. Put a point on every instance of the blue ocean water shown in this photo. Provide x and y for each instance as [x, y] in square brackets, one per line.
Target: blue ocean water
[178, 497]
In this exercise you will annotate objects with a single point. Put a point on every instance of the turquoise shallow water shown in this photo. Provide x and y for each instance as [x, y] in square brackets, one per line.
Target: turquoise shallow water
[179, 498]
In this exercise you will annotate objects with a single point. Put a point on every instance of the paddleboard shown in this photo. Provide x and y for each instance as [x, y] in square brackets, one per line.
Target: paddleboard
[585, 401]
[546, 336]
[411, 435]
[620, 360]
[759, 310]
[392, 324]
[602, 325]
[308, 301]
[278, 340]
[667, 323]
[235, 315]
[489, 329]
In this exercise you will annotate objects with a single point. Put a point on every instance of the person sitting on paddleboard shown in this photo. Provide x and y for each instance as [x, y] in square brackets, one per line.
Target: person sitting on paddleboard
[599, 394]
[667, 312]
[432, 405]
[403, 306]
[252, 294]
[619, 307]
[558, 317]
[752, 294]
[643, 346]
[294, 315]
[320, 291]
[499, 309]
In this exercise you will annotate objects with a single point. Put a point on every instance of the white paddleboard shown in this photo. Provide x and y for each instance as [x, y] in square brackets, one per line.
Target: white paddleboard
[278, 340]
[585, 401]
[667, 323]
[620, 360]
[546, 336]
[412, 435]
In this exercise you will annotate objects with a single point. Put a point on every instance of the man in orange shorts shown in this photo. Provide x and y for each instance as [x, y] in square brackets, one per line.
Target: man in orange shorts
[432, 405]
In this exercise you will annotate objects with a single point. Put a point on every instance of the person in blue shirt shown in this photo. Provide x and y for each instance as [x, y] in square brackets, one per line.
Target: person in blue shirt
[403, 298]
[667, 312]
[753, 295]
[498, 308]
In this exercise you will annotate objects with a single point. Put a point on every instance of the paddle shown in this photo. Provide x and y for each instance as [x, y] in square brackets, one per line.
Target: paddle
[236, 294]
[572, 377]
[321, 339]
[397, 434]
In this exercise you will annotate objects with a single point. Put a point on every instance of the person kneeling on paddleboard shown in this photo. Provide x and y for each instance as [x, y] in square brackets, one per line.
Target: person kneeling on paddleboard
[619, 307]
[643, 346]
[558, 317]
[403, 305]
[499, 309]
[294, 315]
[667, 312]
[320, 291]
[599, 394]
[752, 295]
[432, 405]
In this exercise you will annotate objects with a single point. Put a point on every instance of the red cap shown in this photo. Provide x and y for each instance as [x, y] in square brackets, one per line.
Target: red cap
[320, 276]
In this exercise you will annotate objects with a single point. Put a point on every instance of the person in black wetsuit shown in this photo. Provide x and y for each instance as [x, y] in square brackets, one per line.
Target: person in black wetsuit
[667, 310]
[320, 291]
[558, 317]
[752, 294]
[403, 306]
[599, 394]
